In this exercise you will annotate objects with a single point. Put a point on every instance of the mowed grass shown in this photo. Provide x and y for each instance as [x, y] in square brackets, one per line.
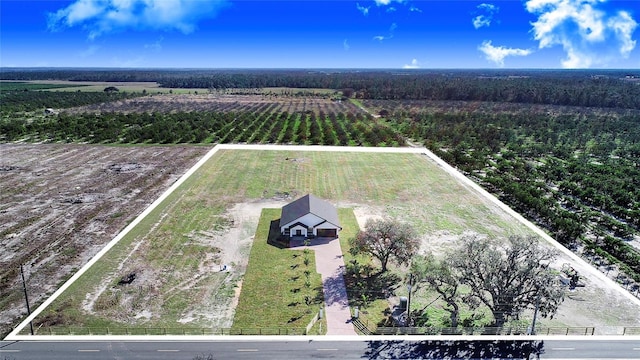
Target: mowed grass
[406, 186]
[275, 286]
[164, 253]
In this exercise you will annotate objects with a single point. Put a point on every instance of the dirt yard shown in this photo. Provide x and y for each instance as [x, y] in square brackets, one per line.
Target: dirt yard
[59, 205]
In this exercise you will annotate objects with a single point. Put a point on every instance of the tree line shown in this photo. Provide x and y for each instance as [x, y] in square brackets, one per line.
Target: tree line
[25, 100]
[605, 88]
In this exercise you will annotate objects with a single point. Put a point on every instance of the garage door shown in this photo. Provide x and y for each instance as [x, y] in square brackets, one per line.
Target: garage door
[327, 233]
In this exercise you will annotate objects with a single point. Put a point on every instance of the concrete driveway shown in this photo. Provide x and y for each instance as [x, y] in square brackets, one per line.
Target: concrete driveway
[330, 265]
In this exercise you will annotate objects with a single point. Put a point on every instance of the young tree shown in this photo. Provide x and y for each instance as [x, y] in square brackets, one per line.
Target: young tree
[387, 240]
[508, 279]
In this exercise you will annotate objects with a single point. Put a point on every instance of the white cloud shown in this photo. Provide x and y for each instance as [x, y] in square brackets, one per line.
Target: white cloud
[364, 10]
[345, 45]
[497, 54]
[392, 28]
[155, 46]
[391, 9]
[386, 2]
[414, 9]
[489, 7]
[480, 21]
[588, 35]
[100, 17]
[486, 18]
[415, 64]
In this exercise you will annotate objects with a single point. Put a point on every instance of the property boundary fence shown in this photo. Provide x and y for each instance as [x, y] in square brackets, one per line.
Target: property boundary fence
[482, 331]
[167, 331]
[363, 327]
[631, 331]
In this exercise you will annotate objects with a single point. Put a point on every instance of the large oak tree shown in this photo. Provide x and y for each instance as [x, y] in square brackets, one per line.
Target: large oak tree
[506, 277]
[387, 240]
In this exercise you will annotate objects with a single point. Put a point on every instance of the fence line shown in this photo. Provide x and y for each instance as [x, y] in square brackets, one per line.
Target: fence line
[312, 322]
[561, 331]
[167, 331]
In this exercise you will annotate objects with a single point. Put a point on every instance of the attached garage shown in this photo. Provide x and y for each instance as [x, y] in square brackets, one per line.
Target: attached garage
[330, 233]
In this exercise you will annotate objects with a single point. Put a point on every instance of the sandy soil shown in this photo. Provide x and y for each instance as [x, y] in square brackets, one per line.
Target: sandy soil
[215, 102]
[59, 205]
[78, 197]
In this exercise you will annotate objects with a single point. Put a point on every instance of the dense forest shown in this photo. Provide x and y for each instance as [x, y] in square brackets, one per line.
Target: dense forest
[561, 147]
[605, 88]
[16, 101]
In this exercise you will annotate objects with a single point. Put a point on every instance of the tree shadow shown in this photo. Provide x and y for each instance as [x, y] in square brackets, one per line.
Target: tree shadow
[522, 349]
[335, 291]
[275, 238]
[365, 283]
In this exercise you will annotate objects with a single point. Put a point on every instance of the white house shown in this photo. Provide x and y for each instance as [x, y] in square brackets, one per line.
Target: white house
[310, 217]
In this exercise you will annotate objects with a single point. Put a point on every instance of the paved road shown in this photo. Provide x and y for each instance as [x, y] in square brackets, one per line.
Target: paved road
[297, 348]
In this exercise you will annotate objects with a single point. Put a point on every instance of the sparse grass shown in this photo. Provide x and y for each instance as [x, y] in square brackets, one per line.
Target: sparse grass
[274, 290]
[407, 186]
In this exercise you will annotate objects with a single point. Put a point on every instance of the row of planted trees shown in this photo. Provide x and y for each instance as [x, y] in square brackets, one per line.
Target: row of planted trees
[261, 125]
[576, 175]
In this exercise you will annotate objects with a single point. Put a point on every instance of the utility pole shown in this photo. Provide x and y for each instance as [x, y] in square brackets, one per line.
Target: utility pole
[409, 300]
[26, 297]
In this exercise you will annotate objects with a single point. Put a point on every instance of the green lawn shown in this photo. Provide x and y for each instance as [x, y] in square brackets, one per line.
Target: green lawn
[179, 277]
[275, 286]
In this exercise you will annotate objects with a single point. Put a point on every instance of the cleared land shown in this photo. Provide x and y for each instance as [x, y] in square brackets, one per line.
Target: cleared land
[210, 220]
[60, 204]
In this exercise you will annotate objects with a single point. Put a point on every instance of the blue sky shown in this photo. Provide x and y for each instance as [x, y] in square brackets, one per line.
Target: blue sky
[320, 34]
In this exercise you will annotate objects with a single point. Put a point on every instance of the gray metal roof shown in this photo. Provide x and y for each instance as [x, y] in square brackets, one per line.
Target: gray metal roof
[309, 204]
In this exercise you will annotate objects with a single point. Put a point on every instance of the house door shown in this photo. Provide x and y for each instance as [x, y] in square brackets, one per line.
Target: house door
[298, 232]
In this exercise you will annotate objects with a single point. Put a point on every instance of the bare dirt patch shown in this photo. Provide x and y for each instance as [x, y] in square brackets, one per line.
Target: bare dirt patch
[139, 294]
[60, 204]
[217, 102]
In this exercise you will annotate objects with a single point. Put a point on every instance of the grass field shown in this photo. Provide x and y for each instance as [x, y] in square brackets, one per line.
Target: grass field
[177, 250]
[275, 288]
